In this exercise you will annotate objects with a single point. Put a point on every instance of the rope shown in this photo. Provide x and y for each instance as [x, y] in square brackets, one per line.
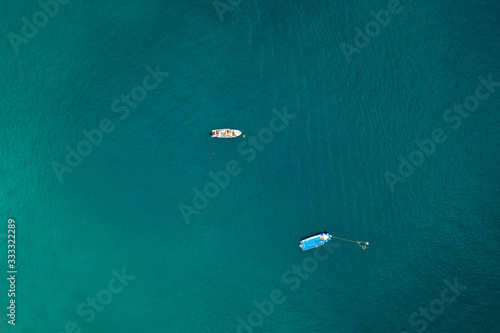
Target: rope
[362, 244]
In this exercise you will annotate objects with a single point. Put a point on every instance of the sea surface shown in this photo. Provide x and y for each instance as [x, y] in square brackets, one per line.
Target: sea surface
[107, 228]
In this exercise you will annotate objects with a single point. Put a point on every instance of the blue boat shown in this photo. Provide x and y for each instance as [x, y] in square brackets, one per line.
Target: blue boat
[313, 242]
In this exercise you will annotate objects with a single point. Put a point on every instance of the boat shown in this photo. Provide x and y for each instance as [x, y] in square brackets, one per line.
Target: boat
[315, 241]
[225, 133]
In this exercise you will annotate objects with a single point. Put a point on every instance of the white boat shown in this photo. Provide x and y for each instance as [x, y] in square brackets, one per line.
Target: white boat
[225, 133]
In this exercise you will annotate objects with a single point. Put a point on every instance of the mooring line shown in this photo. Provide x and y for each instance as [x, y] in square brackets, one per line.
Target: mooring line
[362, 244]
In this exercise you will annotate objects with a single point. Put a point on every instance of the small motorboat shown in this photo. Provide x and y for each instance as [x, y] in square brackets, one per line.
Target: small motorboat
[225, 133]
[313, 242]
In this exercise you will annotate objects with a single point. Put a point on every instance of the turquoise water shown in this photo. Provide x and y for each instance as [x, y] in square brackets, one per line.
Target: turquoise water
[350, 120]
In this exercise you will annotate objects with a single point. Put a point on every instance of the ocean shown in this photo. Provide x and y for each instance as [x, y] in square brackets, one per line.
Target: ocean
[376, 121]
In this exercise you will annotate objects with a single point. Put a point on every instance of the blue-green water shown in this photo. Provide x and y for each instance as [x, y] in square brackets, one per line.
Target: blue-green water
[351, 119]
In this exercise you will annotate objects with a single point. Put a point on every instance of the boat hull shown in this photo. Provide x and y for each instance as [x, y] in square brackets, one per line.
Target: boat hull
[315, 241]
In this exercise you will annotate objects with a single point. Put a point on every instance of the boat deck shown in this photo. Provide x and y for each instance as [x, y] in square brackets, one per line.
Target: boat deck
[314, 241]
